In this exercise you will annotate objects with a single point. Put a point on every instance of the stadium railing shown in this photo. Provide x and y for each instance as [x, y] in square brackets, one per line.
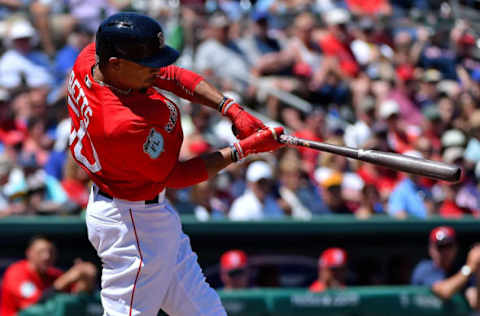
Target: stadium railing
[355, 301]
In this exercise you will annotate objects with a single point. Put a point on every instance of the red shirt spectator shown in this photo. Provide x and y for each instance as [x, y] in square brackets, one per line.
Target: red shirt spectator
[382, 178]
[26, 281]
[331, 46]
[336, 43]
[369, 7]
[23, 286]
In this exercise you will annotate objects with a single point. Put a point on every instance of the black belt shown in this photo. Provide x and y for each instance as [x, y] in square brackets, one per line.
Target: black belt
[108, 196]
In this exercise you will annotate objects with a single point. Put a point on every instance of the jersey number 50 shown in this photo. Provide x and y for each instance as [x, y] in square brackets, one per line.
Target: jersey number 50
[80, 134]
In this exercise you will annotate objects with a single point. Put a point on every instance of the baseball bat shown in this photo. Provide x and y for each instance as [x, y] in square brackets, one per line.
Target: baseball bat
[421, 167]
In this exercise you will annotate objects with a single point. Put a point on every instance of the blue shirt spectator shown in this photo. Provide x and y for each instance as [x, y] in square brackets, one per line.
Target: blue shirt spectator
[408, 199]
[427, 273]
[441, 274]
[258, 202]
[66, 56]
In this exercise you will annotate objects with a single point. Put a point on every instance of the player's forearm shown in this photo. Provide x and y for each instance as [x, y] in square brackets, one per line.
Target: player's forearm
[208, 95]
[218, 160]
[199, 169]
[447, 288]
[189, 85]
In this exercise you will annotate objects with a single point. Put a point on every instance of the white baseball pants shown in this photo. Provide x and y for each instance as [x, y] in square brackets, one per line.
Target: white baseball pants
[148, 263]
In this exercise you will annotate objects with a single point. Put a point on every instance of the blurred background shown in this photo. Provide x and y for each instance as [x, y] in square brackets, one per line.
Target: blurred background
[399, 76]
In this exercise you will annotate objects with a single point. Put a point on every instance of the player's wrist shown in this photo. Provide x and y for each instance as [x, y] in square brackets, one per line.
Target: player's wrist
[234, 155]
[228, 107]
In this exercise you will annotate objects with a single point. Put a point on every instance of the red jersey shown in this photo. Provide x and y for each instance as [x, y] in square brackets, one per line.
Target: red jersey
[331, 46]
[317, 287]
[23, 287]
[129, 143]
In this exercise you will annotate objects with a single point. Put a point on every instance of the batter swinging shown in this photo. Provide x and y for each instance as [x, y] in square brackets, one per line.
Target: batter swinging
[127, 136]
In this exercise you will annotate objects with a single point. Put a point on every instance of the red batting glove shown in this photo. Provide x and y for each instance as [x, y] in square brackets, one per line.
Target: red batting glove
[262, 141]
[244, 124]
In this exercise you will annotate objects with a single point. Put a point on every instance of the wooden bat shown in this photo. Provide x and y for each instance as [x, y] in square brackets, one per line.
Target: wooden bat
[418, 166]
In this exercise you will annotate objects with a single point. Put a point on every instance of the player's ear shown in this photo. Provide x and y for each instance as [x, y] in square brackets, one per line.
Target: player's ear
[114, 62]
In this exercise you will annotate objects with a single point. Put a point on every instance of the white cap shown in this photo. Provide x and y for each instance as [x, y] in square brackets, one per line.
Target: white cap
[453, 138]
[352, 181]
[387, 108]
[337, 16]
[21, 29]
[259, 170]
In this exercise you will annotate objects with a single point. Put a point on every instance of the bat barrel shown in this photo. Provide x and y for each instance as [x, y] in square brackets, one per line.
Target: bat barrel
[422, 167]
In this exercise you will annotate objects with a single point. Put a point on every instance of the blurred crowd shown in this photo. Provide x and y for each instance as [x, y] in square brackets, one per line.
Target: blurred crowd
[400, 76]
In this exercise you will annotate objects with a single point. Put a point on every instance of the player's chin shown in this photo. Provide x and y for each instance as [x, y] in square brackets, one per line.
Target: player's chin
[148, 83]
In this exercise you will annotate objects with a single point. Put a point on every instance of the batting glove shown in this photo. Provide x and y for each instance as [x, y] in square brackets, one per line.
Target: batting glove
[244, 124]
[262, 141]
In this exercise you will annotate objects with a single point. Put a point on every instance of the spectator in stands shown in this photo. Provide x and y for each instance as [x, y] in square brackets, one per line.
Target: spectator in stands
[65, 58]
[357, 134]
[12, 130]
[263, 50]
[369, 7]
[58, 156]
[234, 270]
[202, 138]
[207, 205]
[305, 53]
[29, 281]
[410, 197]
[37, 142]
[20, 64]
[297, 191]
[371, 203]
[219, 58]
[258, 202]
[331, 188]
[441, 273]
[332, 270]
[314, 129]
[336, 41]
[7, 205]
[42, 193]
[401, 137]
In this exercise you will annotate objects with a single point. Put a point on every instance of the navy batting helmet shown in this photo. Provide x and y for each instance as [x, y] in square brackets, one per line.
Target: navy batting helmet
[134, 37]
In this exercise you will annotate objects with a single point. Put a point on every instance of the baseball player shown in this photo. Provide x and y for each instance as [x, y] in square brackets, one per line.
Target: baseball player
[127, 135]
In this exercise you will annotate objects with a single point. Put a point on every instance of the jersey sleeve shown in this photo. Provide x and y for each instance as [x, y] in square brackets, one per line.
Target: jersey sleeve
[187, 173]
[179, 81]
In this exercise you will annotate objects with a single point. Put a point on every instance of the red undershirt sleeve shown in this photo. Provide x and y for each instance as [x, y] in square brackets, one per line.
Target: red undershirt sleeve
[187, 173]
[179, 81]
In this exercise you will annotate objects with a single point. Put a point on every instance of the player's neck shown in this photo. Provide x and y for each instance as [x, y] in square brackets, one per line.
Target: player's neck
[102, 78]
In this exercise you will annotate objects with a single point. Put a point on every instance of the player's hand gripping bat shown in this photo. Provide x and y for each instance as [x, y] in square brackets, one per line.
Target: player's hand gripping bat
[421, 167]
